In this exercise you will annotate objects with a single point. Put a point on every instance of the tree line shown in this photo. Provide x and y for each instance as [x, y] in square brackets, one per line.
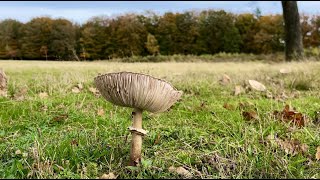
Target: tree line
[190, 32]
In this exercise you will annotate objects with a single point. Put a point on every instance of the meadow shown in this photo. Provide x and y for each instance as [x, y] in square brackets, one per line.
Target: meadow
[53, 124]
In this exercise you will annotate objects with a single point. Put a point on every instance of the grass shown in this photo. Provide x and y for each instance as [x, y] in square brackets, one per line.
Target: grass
[62, 136]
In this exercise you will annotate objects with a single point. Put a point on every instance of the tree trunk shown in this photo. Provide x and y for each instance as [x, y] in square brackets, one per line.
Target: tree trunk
[293, 37]
[75, 55]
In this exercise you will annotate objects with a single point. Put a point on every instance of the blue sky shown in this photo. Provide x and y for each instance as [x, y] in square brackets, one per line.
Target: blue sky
[81, 11]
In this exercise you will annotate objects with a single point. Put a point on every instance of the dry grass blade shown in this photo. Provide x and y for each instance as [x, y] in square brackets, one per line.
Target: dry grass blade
[3, 84]
[318, 153]
[181, 171]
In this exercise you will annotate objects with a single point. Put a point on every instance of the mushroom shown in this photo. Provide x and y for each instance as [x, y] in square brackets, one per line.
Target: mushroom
[140, 92]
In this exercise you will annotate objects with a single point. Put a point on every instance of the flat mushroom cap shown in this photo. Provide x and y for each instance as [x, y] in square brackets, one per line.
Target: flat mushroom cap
[137, 91]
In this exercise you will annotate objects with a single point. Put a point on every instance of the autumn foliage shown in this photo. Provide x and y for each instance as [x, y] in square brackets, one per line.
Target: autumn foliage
[191, 32]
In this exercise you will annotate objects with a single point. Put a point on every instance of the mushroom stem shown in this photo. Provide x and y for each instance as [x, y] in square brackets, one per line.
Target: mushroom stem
[136, 143]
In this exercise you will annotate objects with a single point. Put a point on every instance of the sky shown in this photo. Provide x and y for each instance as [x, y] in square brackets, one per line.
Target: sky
[81, 11]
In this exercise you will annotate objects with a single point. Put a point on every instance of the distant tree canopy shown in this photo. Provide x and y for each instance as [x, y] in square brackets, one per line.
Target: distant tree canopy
[191, 32]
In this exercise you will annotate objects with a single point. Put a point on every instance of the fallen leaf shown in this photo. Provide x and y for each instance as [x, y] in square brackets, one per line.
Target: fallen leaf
[181, 171]
[43, 95]
[20, 95]
[74, 142]
[225, 80]
[60, 118]
[245, 105]
[269, 95]
[237, 90]
[75, 90]
[250, 115]
[284, 71]
[100, 112]
[24, 155]
[18, 152]
[228, 106]
[291, 115]
[257, 85]
[202, 106]
[219, 162]
[95, 91]
[79, 86]
[157, 139]
[108, 176]
[318, 153]
[292, 147]
[3, 93]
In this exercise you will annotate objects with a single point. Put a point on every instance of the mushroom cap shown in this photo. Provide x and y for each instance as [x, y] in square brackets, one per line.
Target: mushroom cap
[137, 90]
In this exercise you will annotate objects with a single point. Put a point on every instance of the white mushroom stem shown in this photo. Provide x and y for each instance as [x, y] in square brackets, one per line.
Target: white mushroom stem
[136, 143]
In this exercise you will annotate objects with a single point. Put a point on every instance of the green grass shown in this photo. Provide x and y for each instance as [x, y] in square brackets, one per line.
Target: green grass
[62, 136]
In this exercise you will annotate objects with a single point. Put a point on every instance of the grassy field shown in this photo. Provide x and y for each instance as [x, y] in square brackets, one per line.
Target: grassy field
[81, 135]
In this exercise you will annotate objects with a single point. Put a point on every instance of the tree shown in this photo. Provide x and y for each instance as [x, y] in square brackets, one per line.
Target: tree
[36, 36]
[293, 37]
[269, 34]
[246, 25]
[152, 44]
[9, 38]
[63, 39]
[166, 33]
[218, 32]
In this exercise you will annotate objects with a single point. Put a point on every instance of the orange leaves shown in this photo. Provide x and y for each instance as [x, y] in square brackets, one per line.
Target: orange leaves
[290, 115]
